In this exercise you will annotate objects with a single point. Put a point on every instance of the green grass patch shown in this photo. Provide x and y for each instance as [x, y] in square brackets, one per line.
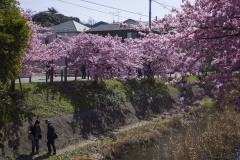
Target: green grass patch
[48, 100]
[172, 89]
[192, 78]
[45, 100]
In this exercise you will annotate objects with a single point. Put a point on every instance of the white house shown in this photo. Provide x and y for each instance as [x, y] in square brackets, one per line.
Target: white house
[66, 29]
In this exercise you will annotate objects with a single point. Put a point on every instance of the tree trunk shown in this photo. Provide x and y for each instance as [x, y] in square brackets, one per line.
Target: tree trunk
[12, 86]
[65, 70]
[20, 85]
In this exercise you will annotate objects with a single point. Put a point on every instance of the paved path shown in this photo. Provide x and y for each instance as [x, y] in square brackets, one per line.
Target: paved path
[42, 78]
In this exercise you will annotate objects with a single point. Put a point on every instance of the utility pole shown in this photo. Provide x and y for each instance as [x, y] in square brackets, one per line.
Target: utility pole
[150, 13]
[118, 15]
[113, 16]
[140, 14]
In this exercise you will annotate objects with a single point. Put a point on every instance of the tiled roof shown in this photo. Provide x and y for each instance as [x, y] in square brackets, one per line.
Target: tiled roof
[114, 26]
[106, 27]
[69, 26]
[99, 23]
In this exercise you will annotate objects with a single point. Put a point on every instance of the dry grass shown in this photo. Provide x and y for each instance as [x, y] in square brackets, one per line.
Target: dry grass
[79, 158]
[206, 133]
[211, 134]
[200, 135]
[217, 141]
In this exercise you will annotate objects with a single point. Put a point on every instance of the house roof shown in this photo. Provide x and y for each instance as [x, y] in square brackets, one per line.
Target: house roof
[99, 23]
[114, 26]
[106, 27]
[69, 26]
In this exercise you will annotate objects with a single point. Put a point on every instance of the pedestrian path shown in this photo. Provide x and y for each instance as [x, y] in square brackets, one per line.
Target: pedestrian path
[43, 79]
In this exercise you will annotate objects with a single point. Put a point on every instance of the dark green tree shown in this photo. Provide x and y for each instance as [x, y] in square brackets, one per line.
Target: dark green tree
[52, 10]
[51, 18]
[14, 36]
[46, 19]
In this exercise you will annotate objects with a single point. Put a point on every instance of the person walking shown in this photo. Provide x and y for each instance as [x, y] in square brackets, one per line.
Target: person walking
[51, 135]
[54, 70]
[83, 70]
[48, 69]
[35, 130]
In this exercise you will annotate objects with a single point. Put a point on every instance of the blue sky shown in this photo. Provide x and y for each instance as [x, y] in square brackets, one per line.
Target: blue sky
[139, 7]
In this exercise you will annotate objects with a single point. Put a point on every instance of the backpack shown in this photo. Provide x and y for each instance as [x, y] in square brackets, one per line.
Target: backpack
[55, 135]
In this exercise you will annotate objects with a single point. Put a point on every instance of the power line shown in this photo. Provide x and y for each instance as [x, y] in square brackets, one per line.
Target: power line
[123, 10]
[168, 5]
[89, 8]
[66, 11]
[162, 5]
[165, 6]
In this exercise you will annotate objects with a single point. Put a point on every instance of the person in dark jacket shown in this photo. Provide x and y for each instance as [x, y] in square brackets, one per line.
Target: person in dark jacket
[35, 130]
[48, 69]
[83, 70]
[51, 135]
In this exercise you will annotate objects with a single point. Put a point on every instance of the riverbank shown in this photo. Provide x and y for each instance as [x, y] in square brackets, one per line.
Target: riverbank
[133, 137]
[205, 132]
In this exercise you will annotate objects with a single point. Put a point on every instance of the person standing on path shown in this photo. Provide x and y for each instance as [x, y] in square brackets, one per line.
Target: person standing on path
[51, 135]
[83, 70]
[48, 69]
[35, 130]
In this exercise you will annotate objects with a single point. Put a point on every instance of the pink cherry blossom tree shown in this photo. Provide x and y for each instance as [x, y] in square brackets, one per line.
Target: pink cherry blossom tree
[104, 57]
[207, 33]
[35, 54]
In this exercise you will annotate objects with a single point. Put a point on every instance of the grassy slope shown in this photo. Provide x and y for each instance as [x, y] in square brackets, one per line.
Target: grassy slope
[47, 100]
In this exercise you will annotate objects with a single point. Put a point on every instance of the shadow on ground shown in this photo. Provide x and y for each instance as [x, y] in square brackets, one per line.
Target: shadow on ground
[13, 113]
[111, 103]
[32, 157]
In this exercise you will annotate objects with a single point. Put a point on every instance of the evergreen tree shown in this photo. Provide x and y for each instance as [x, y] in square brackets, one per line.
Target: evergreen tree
[51, 18]
[52, 10]
[14, 36]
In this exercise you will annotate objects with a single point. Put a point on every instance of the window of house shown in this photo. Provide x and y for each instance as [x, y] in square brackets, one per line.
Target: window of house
[46, 40]
[131, 34]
